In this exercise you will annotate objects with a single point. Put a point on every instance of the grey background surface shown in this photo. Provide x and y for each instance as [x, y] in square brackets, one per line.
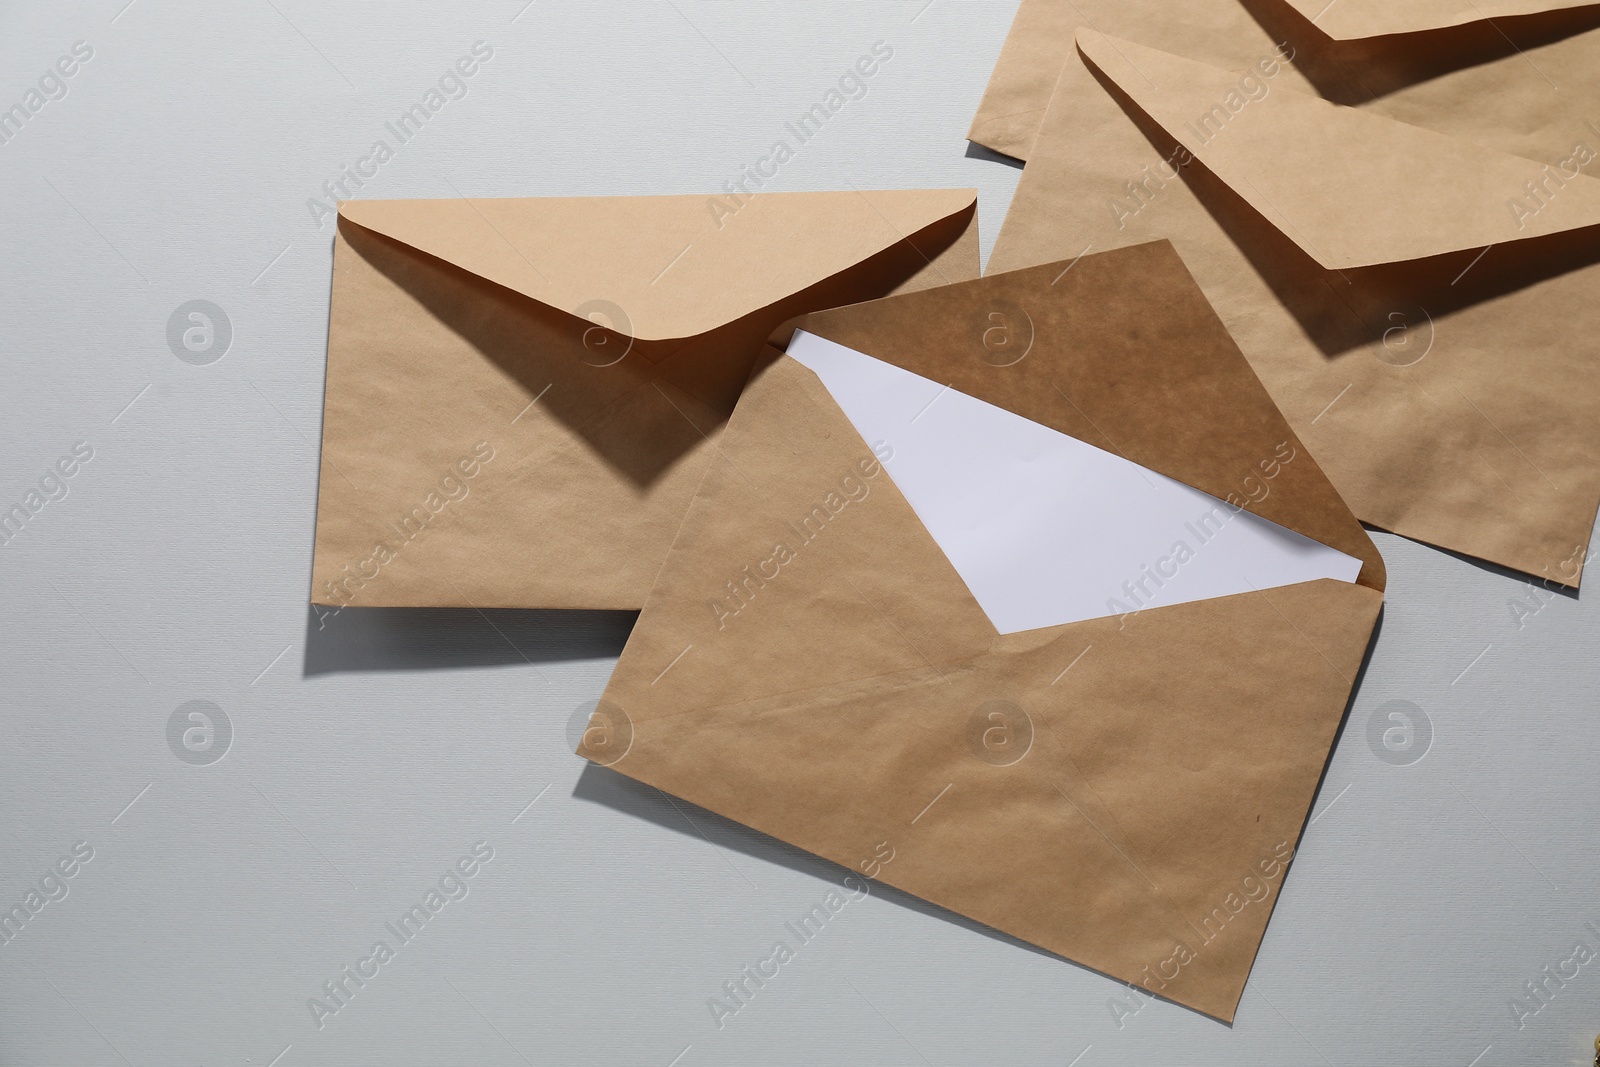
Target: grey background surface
[366, 758]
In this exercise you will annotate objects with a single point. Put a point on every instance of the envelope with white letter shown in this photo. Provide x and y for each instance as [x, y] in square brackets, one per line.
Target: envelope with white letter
[1026, 581]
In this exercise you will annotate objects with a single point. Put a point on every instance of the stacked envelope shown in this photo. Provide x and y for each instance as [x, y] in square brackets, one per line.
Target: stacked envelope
[1393, 209]
[1052, 583]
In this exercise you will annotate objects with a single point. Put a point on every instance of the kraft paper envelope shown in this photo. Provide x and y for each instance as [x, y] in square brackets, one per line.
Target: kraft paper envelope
[1355, 50]
[522, 393]
[1423, 317]
[1124, 790]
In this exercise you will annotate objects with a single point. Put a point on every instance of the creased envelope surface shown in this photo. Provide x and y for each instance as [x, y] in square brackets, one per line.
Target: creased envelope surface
[810, 664]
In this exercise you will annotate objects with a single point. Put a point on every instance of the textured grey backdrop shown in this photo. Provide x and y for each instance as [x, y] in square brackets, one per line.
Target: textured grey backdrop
[361, 762]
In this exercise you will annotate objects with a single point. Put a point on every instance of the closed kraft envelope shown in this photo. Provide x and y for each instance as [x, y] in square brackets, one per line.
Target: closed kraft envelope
[522, 393]
[1412, 279]
[820, 657]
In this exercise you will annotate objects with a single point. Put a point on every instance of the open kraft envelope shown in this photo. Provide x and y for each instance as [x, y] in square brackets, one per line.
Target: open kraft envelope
[1425, 322]
[523, 393]
[831, 652]
[1354, 51]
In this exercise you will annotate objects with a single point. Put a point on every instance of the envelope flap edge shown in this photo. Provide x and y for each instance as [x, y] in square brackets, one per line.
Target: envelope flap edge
[1119, 349]
[660, 268]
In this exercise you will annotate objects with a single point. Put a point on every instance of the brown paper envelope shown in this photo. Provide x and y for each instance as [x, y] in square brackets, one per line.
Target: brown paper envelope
[1334, 40]
[1432, 344]
[1154, 771]
[523, 394]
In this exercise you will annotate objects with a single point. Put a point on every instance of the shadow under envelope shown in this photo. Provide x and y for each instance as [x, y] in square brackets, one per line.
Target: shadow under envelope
[418, 639]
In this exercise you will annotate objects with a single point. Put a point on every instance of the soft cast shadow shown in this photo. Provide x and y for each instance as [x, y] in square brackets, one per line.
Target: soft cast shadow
[601, 785]
[1551, 585]
[978, 151]
[420, 639]
[1344, 720]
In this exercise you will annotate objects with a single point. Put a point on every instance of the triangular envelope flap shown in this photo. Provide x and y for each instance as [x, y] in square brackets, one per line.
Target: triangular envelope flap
[660, 267]
[1346, 20]
[1118, 349]
[1351, 188]
[1046, 529]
